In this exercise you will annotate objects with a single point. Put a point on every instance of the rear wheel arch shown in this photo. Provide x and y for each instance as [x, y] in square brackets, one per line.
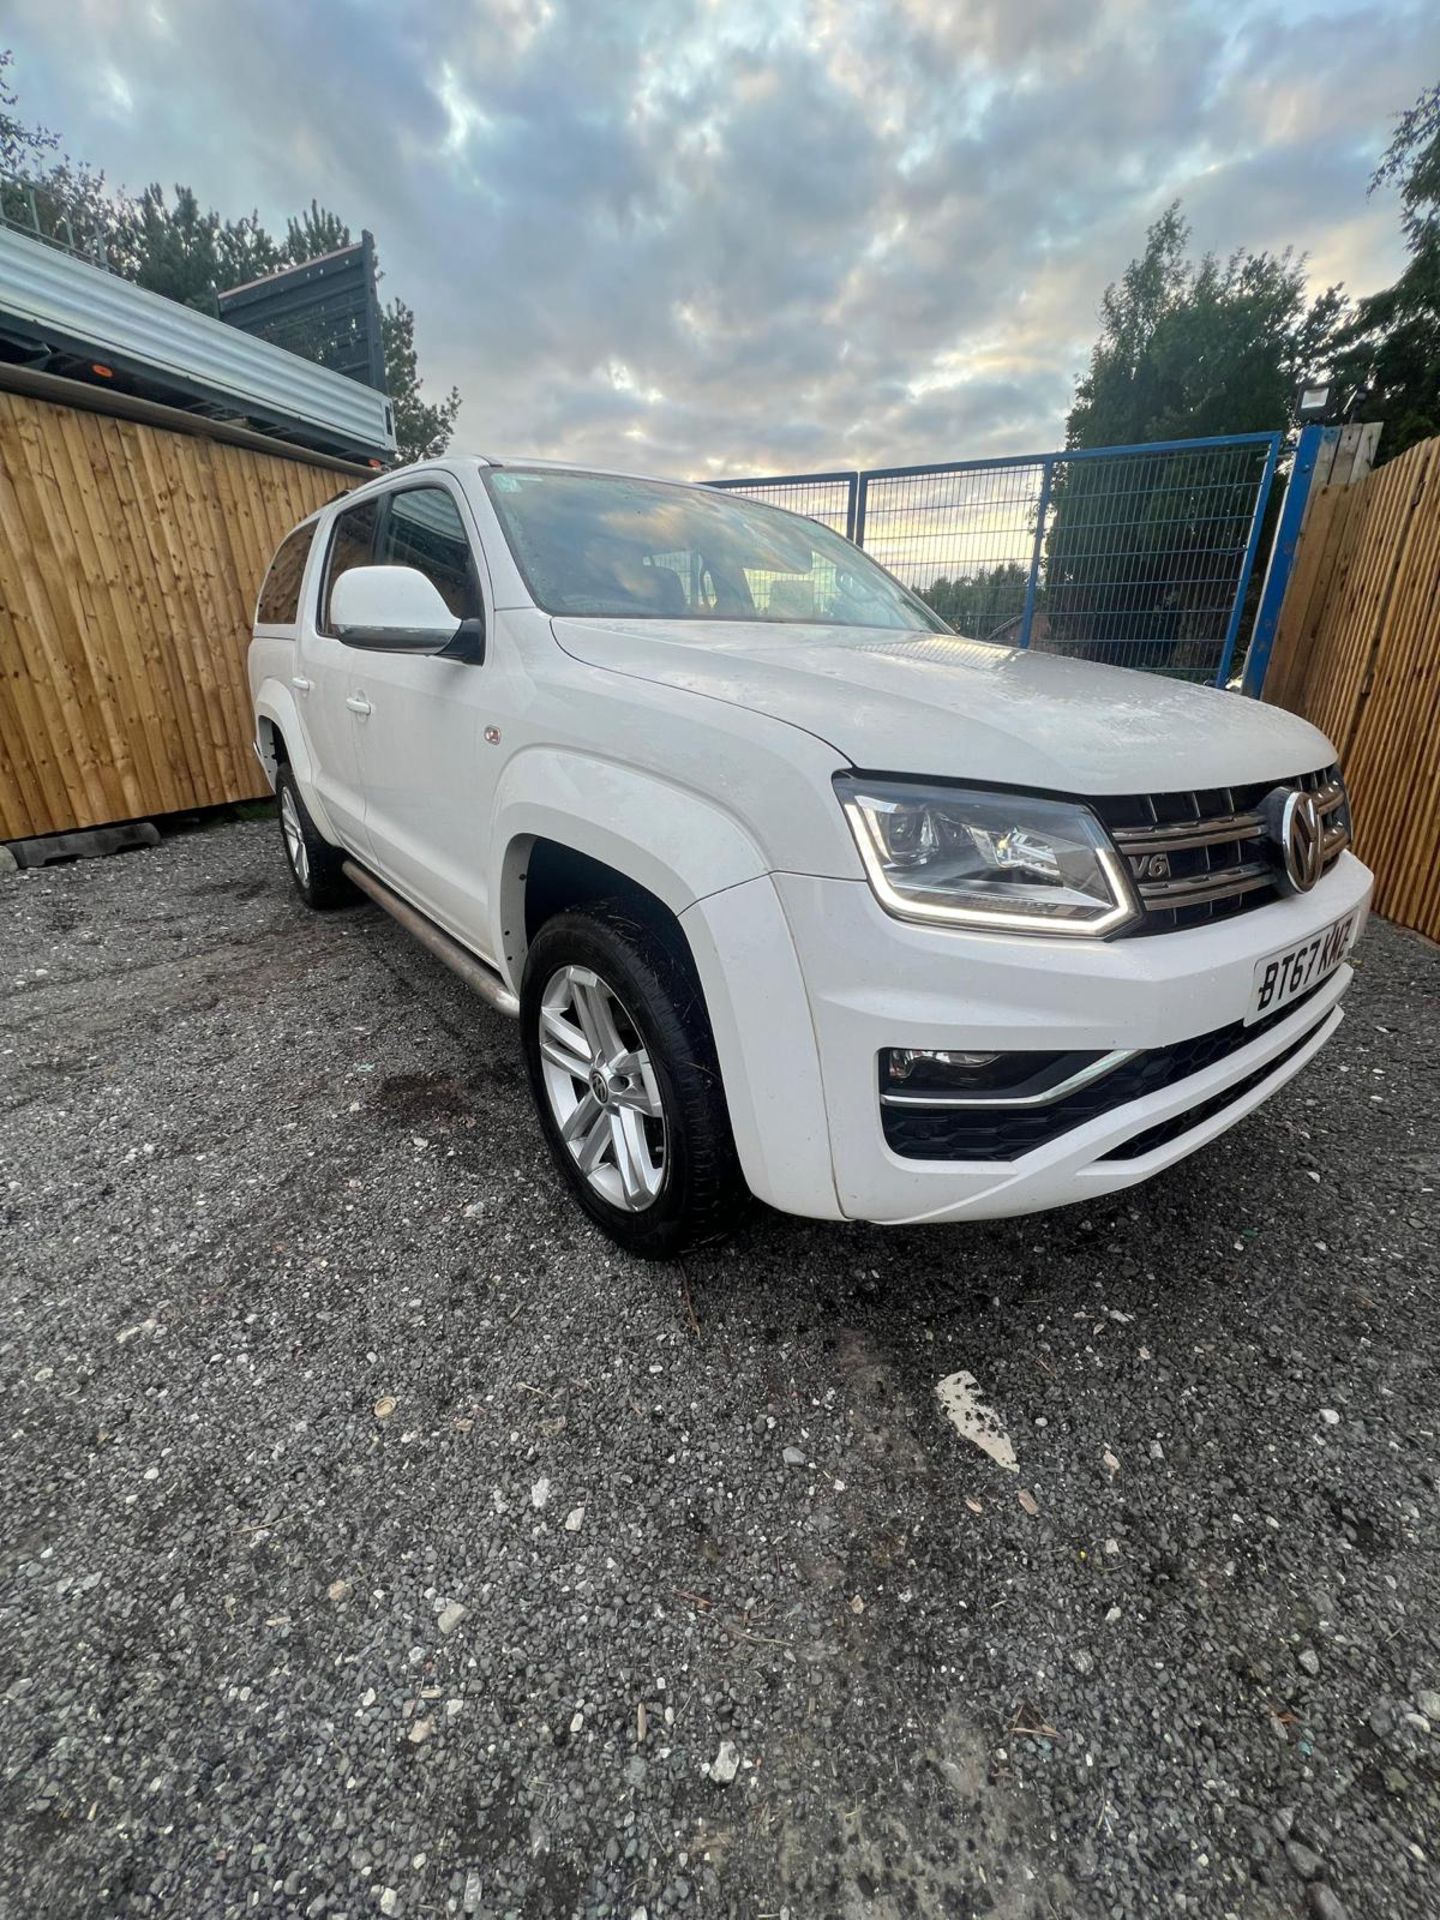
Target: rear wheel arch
[281, 742]
[270, 739]
[277, 719]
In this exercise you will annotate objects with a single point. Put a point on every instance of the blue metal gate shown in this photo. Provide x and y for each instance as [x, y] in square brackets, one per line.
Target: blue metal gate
[1141, 556]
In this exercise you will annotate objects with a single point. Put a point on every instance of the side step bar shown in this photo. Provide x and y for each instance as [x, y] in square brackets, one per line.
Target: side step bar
[474, 972]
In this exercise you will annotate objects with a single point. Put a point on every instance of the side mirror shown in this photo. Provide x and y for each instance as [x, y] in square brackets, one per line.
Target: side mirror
[467, 643]
[399, 610]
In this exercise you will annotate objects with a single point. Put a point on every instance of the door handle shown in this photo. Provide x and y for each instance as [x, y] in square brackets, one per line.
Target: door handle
[300, 683]
[357, 703]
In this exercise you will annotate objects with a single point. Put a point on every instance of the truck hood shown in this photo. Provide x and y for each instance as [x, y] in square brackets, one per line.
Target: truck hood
[963, 709]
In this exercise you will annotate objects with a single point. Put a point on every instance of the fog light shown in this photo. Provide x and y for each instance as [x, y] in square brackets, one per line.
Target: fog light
[945, 1076]
[948, 1071]
[946, 1068]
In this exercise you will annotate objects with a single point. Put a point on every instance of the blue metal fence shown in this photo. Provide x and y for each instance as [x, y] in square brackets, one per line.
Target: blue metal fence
[830, 498]
[1141, 555]
[1313, 439]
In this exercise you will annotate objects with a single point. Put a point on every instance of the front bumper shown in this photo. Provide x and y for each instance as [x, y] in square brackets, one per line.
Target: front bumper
[874, 982]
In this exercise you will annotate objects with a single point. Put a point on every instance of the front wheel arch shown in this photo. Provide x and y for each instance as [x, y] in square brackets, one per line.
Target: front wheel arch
[542, 878]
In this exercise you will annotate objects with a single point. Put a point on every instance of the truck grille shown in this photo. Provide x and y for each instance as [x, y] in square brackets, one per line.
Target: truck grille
[1202, 855]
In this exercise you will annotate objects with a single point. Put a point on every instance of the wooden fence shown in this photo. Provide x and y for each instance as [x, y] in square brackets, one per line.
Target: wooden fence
[130, 557]
[1357, 651]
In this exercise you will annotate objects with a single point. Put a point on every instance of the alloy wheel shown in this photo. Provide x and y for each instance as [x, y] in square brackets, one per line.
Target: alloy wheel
[602, 1088]
[294, 837]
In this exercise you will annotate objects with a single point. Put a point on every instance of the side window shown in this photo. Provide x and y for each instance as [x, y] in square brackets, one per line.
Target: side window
[423, 529]
[279, 602]
[351, 545]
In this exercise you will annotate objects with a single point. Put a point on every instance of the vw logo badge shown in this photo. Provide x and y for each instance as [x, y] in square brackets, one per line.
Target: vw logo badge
[1302, 841]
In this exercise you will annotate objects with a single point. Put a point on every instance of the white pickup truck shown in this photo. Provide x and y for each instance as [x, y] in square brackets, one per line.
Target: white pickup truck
[792, 890]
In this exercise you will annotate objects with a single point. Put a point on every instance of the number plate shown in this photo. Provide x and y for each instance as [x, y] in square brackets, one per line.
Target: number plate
[1283, 977]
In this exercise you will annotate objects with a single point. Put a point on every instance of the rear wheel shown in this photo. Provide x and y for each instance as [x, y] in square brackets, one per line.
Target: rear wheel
[315, 866]
[623, 1071]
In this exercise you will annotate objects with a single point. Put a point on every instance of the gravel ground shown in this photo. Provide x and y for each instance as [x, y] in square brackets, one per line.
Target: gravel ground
[377, 1540]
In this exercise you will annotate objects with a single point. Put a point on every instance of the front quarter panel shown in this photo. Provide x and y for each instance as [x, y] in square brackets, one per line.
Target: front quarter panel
[684, 794]
[675, 843]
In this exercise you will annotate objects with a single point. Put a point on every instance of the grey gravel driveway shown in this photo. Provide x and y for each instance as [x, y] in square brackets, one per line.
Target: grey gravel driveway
[375, 1540]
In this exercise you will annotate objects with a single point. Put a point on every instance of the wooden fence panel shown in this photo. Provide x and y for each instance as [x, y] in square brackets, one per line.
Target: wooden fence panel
[1357, 651]
[130, 558]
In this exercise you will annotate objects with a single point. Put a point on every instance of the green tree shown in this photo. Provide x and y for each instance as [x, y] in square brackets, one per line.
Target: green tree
[984, 605]
[1392, 345]
[192, 254]
[185, 252]
[1139, 553]
[21, 147]
[57, 197]
[315, 232]
[422, 429]
[1189, 348]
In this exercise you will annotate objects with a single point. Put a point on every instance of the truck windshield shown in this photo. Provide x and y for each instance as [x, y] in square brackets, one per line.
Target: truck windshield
[639, 549]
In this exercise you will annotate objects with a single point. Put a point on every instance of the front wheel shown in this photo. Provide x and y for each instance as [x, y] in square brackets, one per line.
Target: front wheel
[623, 1071]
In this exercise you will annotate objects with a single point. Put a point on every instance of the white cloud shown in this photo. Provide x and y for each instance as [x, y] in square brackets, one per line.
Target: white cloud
[755, 234]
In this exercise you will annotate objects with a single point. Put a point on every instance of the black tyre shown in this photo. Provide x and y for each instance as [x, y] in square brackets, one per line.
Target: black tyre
[626, 1083]
[314, 864]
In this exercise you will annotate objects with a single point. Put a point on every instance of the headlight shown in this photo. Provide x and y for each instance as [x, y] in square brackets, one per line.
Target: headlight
[1002, 861]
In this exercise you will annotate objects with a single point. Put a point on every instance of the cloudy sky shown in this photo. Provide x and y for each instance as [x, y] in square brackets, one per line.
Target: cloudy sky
[705, 236]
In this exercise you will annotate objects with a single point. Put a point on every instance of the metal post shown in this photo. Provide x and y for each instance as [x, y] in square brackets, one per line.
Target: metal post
[1028, 616]
[862, 484]
[1282, 555]
[1247, 565]
[852, 492]
[374, 329]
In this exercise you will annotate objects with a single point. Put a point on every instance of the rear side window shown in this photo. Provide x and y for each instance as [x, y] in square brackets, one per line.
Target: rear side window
[351, 545]
[423, 529]
[279, 603]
